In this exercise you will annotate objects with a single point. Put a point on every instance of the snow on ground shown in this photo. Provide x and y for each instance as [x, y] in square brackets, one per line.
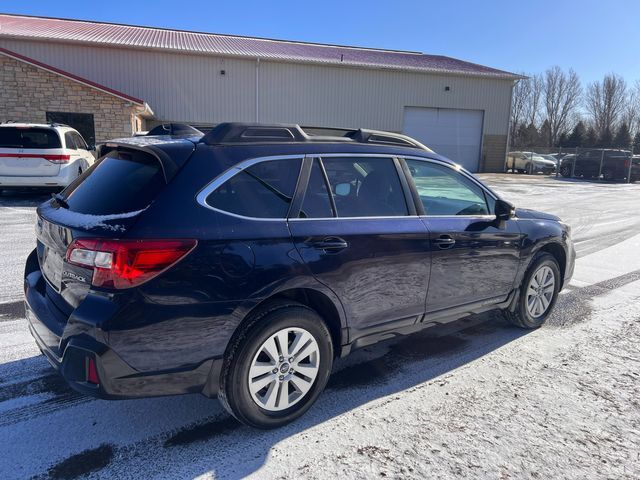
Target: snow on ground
[481, 400]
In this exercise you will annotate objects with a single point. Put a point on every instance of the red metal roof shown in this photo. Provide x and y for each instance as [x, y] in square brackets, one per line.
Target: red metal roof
[16, 26]
[72, 76]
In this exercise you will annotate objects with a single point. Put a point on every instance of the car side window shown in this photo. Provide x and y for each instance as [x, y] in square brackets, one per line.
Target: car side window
[316, 203]
[444, 191]
[79, 141]
[263, 190]
[365, 187]
[69, 141]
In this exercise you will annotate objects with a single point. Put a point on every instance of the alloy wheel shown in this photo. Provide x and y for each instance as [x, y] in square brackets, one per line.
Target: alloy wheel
[540, 291]
[284, 369]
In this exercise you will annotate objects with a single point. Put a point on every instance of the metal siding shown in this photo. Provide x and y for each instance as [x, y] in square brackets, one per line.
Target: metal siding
[188, 87]
[350, 97]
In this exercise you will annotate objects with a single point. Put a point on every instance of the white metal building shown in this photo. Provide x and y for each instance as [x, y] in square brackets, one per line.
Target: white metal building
[459, 109]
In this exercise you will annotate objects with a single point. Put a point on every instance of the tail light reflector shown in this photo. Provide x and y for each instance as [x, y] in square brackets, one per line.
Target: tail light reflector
[127, 263]
[92, 371]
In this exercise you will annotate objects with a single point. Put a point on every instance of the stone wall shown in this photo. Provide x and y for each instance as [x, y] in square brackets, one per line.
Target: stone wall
[494, 153]
[28, 92]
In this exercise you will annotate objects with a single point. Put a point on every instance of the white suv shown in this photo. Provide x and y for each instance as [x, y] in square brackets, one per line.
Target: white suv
[39, 155]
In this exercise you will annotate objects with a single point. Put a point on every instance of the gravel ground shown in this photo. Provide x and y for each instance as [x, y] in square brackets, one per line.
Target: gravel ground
[480, 399]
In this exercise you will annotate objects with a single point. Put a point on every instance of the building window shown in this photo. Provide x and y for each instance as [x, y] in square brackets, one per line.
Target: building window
[82, 122]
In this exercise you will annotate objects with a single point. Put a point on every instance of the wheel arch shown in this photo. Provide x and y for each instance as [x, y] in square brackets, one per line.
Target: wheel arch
[321, 302]
[558, 252]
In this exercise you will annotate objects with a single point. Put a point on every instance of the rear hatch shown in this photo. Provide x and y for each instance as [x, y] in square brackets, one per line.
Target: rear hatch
[30, 152]
[102, 204]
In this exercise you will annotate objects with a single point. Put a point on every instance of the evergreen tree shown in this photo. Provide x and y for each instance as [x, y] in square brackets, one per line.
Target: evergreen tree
[530, 136]
[623, 136]
[578, 136]
[545, 134]
[563, 140]
[606, 139]
[636, 143]
[591, 138]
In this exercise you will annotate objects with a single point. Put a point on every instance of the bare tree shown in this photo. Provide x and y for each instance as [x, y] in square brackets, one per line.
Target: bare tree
[525, 103]
[519, 104]
[631, 114]
[561, 93]
[535, 97]
[606, 102]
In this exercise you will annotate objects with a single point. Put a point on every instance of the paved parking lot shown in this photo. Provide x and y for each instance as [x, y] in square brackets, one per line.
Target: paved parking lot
[484, 400]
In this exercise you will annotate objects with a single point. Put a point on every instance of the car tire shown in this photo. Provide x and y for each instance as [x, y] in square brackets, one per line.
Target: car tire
[607, 175]
[565, 170]
[248, 354]
[536, 298]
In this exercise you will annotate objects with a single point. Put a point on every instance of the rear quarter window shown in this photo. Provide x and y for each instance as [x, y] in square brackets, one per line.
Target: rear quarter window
[120, 182]
[29, 138]
[263, 190]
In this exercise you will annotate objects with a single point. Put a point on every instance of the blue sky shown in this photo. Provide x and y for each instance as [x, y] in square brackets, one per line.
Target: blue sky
[592, 37]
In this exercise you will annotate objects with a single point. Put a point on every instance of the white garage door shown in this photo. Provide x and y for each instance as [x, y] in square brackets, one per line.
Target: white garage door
[456, 134]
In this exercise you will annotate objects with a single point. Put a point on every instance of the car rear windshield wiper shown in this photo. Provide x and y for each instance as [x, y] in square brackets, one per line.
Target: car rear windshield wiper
[61, 201]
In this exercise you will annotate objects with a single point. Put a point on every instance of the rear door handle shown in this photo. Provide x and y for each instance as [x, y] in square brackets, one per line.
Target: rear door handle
[331, 244]
[444, 241]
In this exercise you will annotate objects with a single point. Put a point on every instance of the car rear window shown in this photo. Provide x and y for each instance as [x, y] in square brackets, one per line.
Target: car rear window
[28, 137]
[119, 182]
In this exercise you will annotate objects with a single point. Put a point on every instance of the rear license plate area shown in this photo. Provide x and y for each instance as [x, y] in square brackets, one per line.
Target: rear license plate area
[52, 264]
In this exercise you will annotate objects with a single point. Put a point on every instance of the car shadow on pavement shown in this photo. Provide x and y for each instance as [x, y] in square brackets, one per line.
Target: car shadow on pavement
[225, 448]
[165, 428]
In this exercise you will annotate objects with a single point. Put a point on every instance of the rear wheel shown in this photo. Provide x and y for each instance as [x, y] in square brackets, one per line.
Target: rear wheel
[538, 293]
[565, 170]
[277, 366]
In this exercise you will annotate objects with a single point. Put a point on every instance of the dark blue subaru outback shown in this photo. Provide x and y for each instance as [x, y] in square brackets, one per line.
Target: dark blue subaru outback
[242, 262]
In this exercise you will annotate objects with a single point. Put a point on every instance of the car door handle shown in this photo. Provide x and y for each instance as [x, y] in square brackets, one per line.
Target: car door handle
[332, 244]
[444, 241]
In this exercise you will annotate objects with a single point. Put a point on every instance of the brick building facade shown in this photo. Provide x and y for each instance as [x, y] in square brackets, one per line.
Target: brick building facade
[33, 92]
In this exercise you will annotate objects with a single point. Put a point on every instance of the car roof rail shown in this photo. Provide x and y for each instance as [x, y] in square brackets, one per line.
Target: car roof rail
[236, 132]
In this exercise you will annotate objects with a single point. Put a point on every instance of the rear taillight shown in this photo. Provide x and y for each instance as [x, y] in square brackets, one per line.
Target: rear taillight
[57, 158]
[126, 263]
[92, 371]
[50, 158]
[626, 163]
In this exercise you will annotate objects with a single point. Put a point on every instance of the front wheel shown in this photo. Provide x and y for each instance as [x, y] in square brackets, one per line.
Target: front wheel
[277, 366]
[538, 293]
[565, 170]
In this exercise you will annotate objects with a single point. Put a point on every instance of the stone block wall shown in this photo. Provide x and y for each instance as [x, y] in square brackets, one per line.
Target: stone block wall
[28, 92]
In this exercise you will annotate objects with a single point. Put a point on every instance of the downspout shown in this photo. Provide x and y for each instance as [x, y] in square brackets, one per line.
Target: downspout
[257, 90]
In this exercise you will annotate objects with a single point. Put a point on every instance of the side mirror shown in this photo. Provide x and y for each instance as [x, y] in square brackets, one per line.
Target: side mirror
[504, 210]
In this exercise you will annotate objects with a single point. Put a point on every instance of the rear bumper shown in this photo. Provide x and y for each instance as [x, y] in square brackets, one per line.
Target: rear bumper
[66, 175]
[68, 349]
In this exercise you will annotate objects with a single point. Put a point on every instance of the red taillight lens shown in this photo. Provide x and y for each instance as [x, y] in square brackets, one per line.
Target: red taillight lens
[57, 158]
[126, 263]
[92, 371]
[50, 158]
[627, 163]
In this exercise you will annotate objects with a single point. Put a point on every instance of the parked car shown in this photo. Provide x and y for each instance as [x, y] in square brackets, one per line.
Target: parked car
[241, 263]
[39, 155]
[610, 164]
[529, 162]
